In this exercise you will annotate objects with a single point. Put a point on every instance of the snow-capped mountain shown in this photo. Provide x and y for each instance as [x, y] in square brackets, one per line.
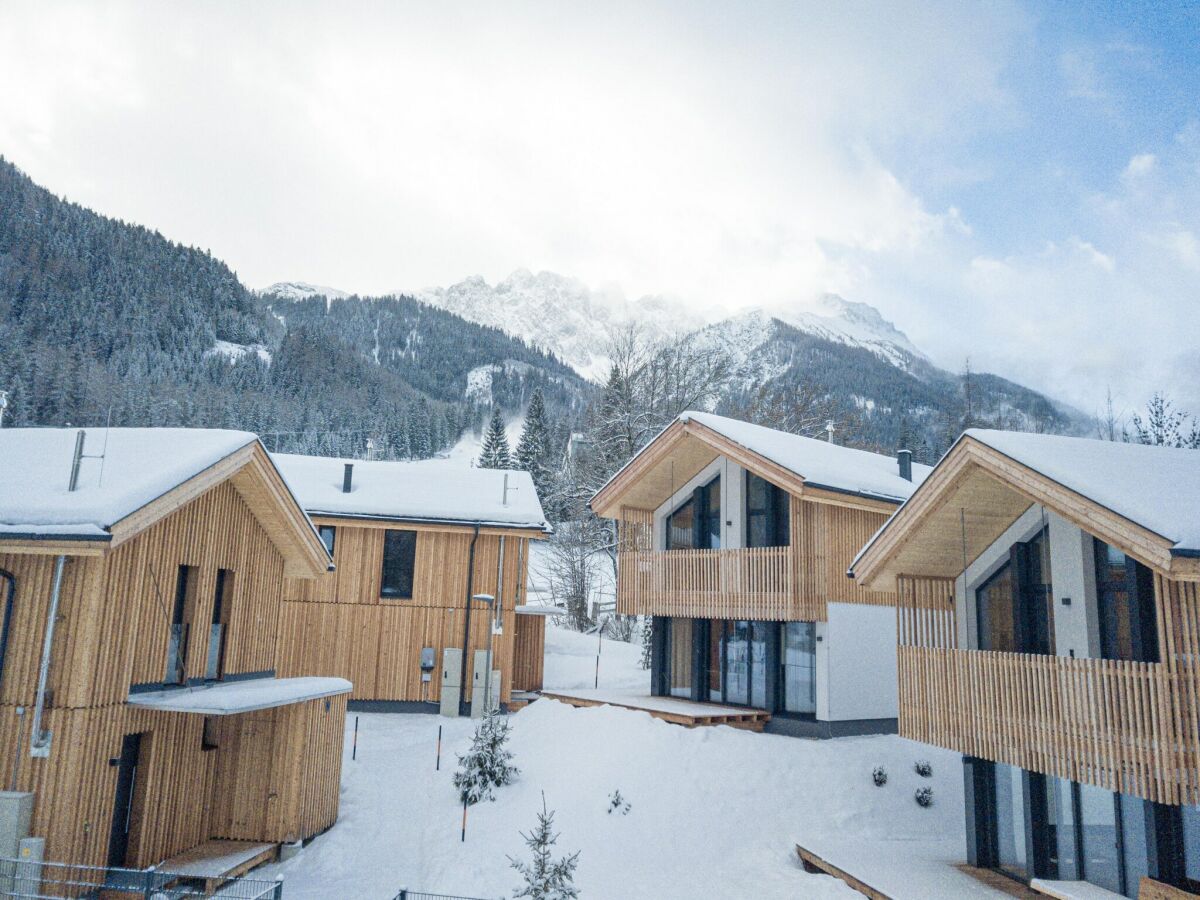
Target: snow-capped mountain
[302, 290]
[560, 314]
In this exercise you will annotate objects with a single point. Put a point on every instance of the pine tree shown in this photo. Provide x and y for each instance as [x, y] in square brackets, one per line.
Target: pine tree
[496, 454]
[647, 641]
[545, 877]
[487, 765]
[533, 450]
[1165, 425]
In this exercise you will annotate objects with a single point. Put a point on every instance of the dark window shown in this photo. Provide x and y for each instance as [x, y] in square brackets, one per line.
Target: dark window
[767, 509]
[181, 614]
[399, 562]
[208, 737]
[737, 664]
[218, 634]
[1034, 595]
[709, 510]
[994, 612]
[328, 535]
[681, 528]
[1125, 602]
[679, 654]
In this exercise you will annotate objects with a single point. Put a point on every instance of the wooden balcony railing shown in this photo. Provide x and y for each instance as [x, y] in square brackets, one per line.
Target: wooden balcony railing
[1124, 726]
[720, 584]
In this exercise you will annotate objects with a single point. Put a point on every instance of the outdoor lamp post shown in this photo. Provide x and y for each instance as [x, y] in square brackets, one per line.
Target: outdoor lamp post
[487, 675]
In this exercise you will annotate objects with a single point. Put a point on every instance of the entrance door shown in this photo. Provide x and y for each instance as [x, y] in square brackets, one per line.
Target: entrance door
[123, 812]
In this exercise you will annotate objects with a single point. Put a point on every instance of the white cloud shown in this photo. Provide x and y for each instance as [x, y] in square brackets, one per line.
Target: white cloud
[1141, 164]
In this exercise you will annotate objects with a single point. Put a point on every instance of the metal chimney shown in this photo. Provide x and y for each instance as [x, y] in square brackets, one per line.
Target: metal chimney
[348, 478]
[904, 460]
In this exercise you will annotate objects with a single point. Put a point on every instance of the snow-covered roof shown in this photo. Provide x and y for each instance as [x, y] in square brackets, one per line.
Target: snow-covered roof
[1155, 487]
[228, 698]
[138, 466]
[540, 609]
[389, 489]
[819, 462]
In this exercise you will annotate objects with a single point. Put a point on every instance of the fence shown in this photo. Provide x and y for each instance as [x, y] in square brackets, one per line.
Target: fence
[406, 894]
[34, 880]
[726, 583]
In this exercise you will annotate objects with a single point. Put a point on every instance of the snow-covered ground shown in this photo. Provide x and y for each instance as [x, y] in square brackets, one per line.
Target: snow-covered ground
[715, 812]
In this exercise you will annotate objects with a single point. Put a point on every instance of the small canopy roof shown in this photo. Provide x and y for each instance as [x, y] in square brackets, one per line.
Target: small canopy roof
[539, 609]
[1143, 499]
[390, 489]
[695, 439]
[228, 698]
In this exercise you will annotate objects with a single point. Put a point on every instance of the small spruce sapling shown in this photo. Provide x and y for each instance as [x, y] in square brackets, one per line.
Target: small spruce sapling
[924, 796]
[879, 776]
[487, 765]
[545, 877]
[923, 768]
[617, 803]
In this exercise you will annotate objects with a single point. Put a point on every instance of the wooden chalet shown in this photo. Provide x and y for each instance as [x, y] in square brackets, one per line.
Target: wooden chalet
[736, 539]
[1049, 630]
[141, 583]
[413, 544]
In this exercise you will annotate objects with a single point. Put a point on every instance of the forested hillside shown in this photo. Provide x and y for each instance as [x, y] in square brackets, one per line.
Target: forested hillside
[102, 320]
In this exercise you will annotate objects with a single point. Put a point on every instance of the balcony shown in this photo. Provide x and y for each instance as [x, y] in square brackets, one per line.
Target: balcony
[1125, 726]
[722, 584]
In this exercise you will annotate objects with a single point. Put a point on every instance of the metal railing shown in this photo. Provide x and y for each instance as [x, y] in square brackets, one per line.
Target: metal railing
[29, 879]
[406, 894]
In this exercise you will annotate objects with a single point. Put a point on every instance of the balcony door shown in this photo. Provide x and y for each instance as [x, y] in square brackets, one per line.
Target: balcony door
[1015, 606]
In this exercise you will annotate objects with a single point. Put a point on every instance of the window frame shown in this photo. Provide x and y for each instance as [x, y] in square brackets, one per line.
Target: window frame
[332, 542]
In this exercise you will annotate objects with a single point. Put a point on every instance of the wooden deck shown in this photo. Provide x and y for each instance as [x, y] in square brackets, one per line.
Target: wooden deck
[987, 882]
[670, 709]
[215, 862]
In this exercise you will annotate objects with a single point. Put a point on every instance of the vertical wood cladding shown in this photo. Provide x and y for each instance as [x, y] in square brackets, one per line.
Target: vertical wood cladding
[529, 653]
[111, 633]
[339, 625]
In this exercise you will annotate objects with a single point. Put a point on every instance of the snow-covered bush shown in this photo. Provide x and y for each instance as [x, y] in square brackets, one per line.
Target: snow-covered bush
[924, 796]
[647, 641]
[923, 768]
[545, 877]
[487, 764]
[617, 803]
[879, 776]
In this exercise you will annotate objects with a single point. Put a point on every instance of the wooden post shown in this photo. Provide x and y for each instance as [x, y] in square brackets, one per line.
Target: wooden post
[354, 745]
[464, 822]
[438, 767]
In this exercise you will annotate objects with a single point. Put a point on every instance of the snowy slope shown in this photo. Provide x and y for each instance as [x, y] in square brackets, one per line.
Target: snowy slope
[302, 290]
[715, 812]
[559, 314]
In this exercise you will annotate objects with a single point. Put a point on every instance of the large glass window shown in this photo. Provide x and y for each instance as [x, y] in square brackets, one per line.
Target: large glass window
[1035, 597]
[767, 509]
[1060, 820]
[758, 664]
[716, 659]
[799, 667]
[1098, 831]
[679, 652]
[1190, 816]
[710, 512]
[681, 527]
[1125, 602]
[994, 608]
[399, 563]
[1010, 821]
[737, 663]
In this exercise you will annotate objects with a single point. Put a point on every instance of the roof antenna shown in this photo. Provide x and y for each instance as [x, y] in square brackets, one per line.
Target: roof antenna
[504, 496]
[79, 456]
[104, 449]
[829, 431]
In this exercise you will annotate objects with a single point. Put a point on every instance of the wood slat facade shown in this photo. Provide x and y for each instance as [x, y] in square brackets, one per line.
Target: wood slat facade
[792, 583]
[1129, 727]
[529, 653]
[112, 635]
[341, 625]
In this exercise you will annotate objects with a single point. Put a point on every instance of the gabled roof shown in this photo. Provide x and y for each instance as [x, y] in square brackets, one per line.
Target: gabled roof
[414, 491]
[789, 460]
[1143, 499]
[130, 478]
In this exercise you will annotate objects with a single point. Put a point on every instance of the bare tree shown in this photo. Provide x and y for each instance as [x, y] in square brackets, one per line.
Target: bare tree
[801, 407]
[1109, 425]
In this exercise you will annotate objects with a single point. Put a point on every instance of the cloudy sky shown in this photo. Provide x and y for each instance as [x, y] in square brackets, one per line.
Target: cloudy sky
[1015, 183]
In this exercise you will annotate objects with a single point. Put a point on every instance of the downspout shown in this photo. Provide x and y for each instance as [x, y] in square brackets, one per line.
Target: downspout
[462, 685]
[40, 743]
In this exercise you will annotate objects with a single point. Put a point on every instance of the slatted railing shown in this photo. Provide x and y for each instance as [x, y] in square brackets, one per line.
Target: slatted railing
[729, 583]
[1116, 724]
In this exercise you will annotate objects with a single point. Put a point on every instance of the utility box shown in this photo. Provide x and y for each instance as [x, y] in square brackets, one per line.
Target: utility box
[28, 876]
[16, 812]
[451, 681]
[480, 687]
